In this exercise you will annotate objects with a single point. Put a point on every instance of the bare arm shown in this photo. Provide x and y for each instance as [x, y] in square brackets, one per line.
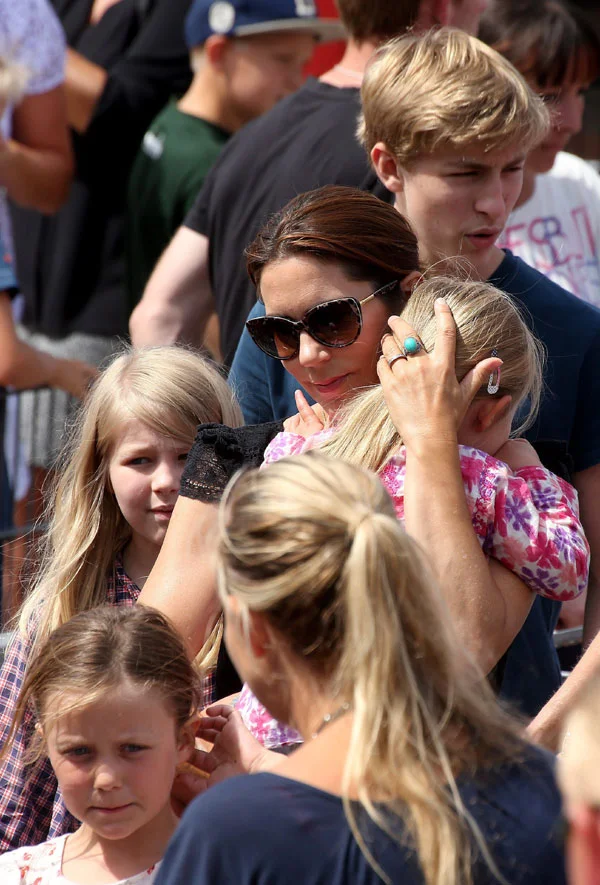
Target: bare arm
[36, 164]
[488, 603]
[23, 366]
[178, 300]
[587, 483]
[182, 584]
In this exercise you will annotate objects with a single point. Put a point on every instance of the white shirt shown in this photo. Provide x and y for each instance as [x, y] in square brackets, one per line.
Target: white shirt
[41, 865]
[557, 230]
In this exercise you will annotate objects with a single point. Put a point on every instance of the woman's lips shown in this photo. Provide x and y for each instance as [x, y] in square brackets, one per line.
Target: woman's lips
[331, 385]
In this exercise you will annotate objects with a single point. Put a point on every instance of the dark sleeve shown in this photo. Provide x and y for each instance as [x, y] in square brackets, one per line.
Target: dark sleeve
[585, 440]
[197, 216]
[154, 67]
[218, 453]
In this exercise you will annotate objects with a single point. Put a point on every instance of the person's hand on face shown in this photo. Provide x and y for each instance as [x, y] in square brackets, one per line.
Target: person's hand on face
[308, 421]
[426, 402]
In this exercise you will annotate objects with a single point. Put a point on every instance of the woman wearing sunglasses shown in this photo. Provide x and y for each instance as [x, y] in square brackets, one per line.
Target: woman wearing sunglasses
[332, 268]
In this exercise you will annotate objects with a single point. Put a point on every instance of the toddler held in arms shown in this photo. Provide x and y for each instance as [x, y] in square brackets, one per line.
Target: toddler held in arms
[523, 515]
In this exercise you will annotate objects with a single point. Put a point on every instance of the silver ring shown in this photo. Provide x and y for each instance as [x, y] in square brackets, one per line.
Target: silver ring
[395, 358]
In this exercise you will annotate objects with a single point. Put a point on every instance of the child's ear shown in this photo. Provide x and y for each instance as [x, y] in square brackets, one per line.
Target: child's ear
[486, 412]
[215, 49]
[187, 743]
[387, 168]
[410, 281]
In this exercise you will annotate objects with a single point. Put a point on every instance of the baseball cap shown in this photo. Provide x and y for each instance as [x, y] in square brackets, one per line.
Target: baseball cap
[242, 18]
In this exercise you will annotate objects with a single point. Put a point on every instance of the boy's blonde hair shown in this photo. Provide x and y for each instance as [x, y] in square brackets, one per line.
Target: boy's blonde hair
[169, 389]
[314, 544]
[446, 89]
[13, 80]
[486, 320]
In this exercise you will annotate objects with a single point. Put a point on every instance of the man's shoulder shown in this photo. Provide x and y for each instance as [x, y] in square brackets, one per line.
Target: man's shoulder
[313, 99]
[542, 296]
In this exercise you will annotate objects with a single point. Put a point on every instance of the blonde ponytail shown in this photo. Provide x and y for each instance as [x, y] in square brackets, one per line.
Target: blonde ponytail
[315, 545]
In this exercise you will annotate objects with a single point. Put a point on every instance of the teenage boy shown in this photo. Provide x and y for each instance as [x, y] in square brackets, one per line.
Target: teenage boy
[448, 123]
[306, 141]
[246, 55]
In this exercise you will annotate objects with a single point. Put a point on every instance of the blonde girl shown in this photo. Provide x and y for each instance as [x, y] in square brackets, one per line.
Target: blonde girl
[409, 771]
[115, 693]
[526, 517]
[108, 517]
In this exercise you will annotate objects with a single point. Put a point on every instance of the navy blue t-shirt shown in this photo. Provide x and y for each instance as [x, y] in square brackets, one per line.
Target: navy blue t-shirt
[266, 829]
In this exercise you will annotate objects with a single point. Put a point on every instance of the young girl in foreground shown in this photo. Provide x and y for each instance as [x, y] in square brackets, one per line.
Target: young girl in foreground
[115, 693]
[525, 517]
[109, 515]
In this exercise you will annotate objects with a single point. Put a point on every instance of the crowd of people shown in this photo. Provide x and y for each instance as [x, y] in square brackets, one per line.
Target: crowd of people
[323, 470]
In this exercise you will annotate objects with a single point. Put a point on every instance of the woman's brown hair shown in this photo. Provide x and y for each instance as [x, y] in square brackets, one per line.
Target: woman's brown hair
[549, 42]
[339, 225]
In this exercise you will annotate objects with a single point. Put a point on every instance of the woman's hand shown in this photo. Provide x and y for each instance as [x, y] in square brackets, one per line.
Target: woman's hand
[426, 402]
[308, 421]
[235, 751]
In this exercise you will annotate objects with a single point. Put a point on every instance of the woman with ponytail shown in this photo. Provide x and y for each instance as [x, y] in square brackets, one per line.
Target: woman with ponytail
[409, 772]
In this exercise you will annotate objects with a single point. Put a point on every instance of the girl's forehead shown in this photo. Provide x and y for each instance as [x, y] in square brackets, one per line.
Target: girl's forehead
[75, 709]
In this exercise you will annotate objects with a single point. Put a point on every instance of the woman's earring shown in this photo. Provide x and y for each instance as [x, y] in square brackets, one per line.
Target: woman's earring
[494, 379]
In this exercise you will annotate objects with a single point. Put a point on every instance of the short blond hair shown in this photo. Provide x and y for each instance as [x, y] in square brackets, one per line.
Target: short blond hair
[446, 89]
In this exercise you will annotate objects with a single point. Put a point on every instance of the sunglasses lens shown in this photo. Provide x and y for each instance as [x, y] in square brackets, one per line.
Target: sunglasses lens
[274, 336]
[335, 323]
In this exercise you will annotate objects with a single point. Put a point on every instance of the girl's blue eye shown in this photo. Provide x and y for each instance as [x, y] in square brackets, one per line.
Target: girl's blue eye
[133, 748]
[137, 461]
[77, 752]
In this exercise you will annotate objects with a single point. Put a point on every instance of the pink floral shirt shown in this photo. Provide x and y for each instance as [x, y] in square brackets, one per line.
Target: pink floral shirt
[527, 519]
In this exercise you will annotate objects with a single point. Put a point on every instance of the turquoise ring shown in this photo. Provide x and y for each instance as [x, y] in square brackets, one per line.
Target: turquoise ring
[411, 345]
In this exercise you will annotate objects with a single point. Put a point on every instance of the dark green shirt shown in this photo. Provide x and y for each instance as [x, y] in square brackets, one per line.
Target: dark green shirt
[176, 153]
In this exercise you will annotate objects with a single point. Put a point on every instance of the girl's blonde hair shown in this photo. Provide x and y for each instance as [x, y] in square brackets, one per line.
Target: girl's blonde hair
[315, 545]
[486, 320]
[169, 389]
[98, 651]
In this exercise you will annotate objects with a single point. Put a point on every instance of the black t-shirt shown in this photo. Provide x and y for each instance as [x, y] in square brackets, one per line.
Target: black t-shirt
[306, 141]
[71, 265]
[264, 829]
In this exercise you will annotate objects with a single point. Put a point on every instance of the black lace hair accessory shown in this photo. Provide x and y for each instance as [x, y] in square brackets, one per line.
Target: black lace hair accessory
[218, 452]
